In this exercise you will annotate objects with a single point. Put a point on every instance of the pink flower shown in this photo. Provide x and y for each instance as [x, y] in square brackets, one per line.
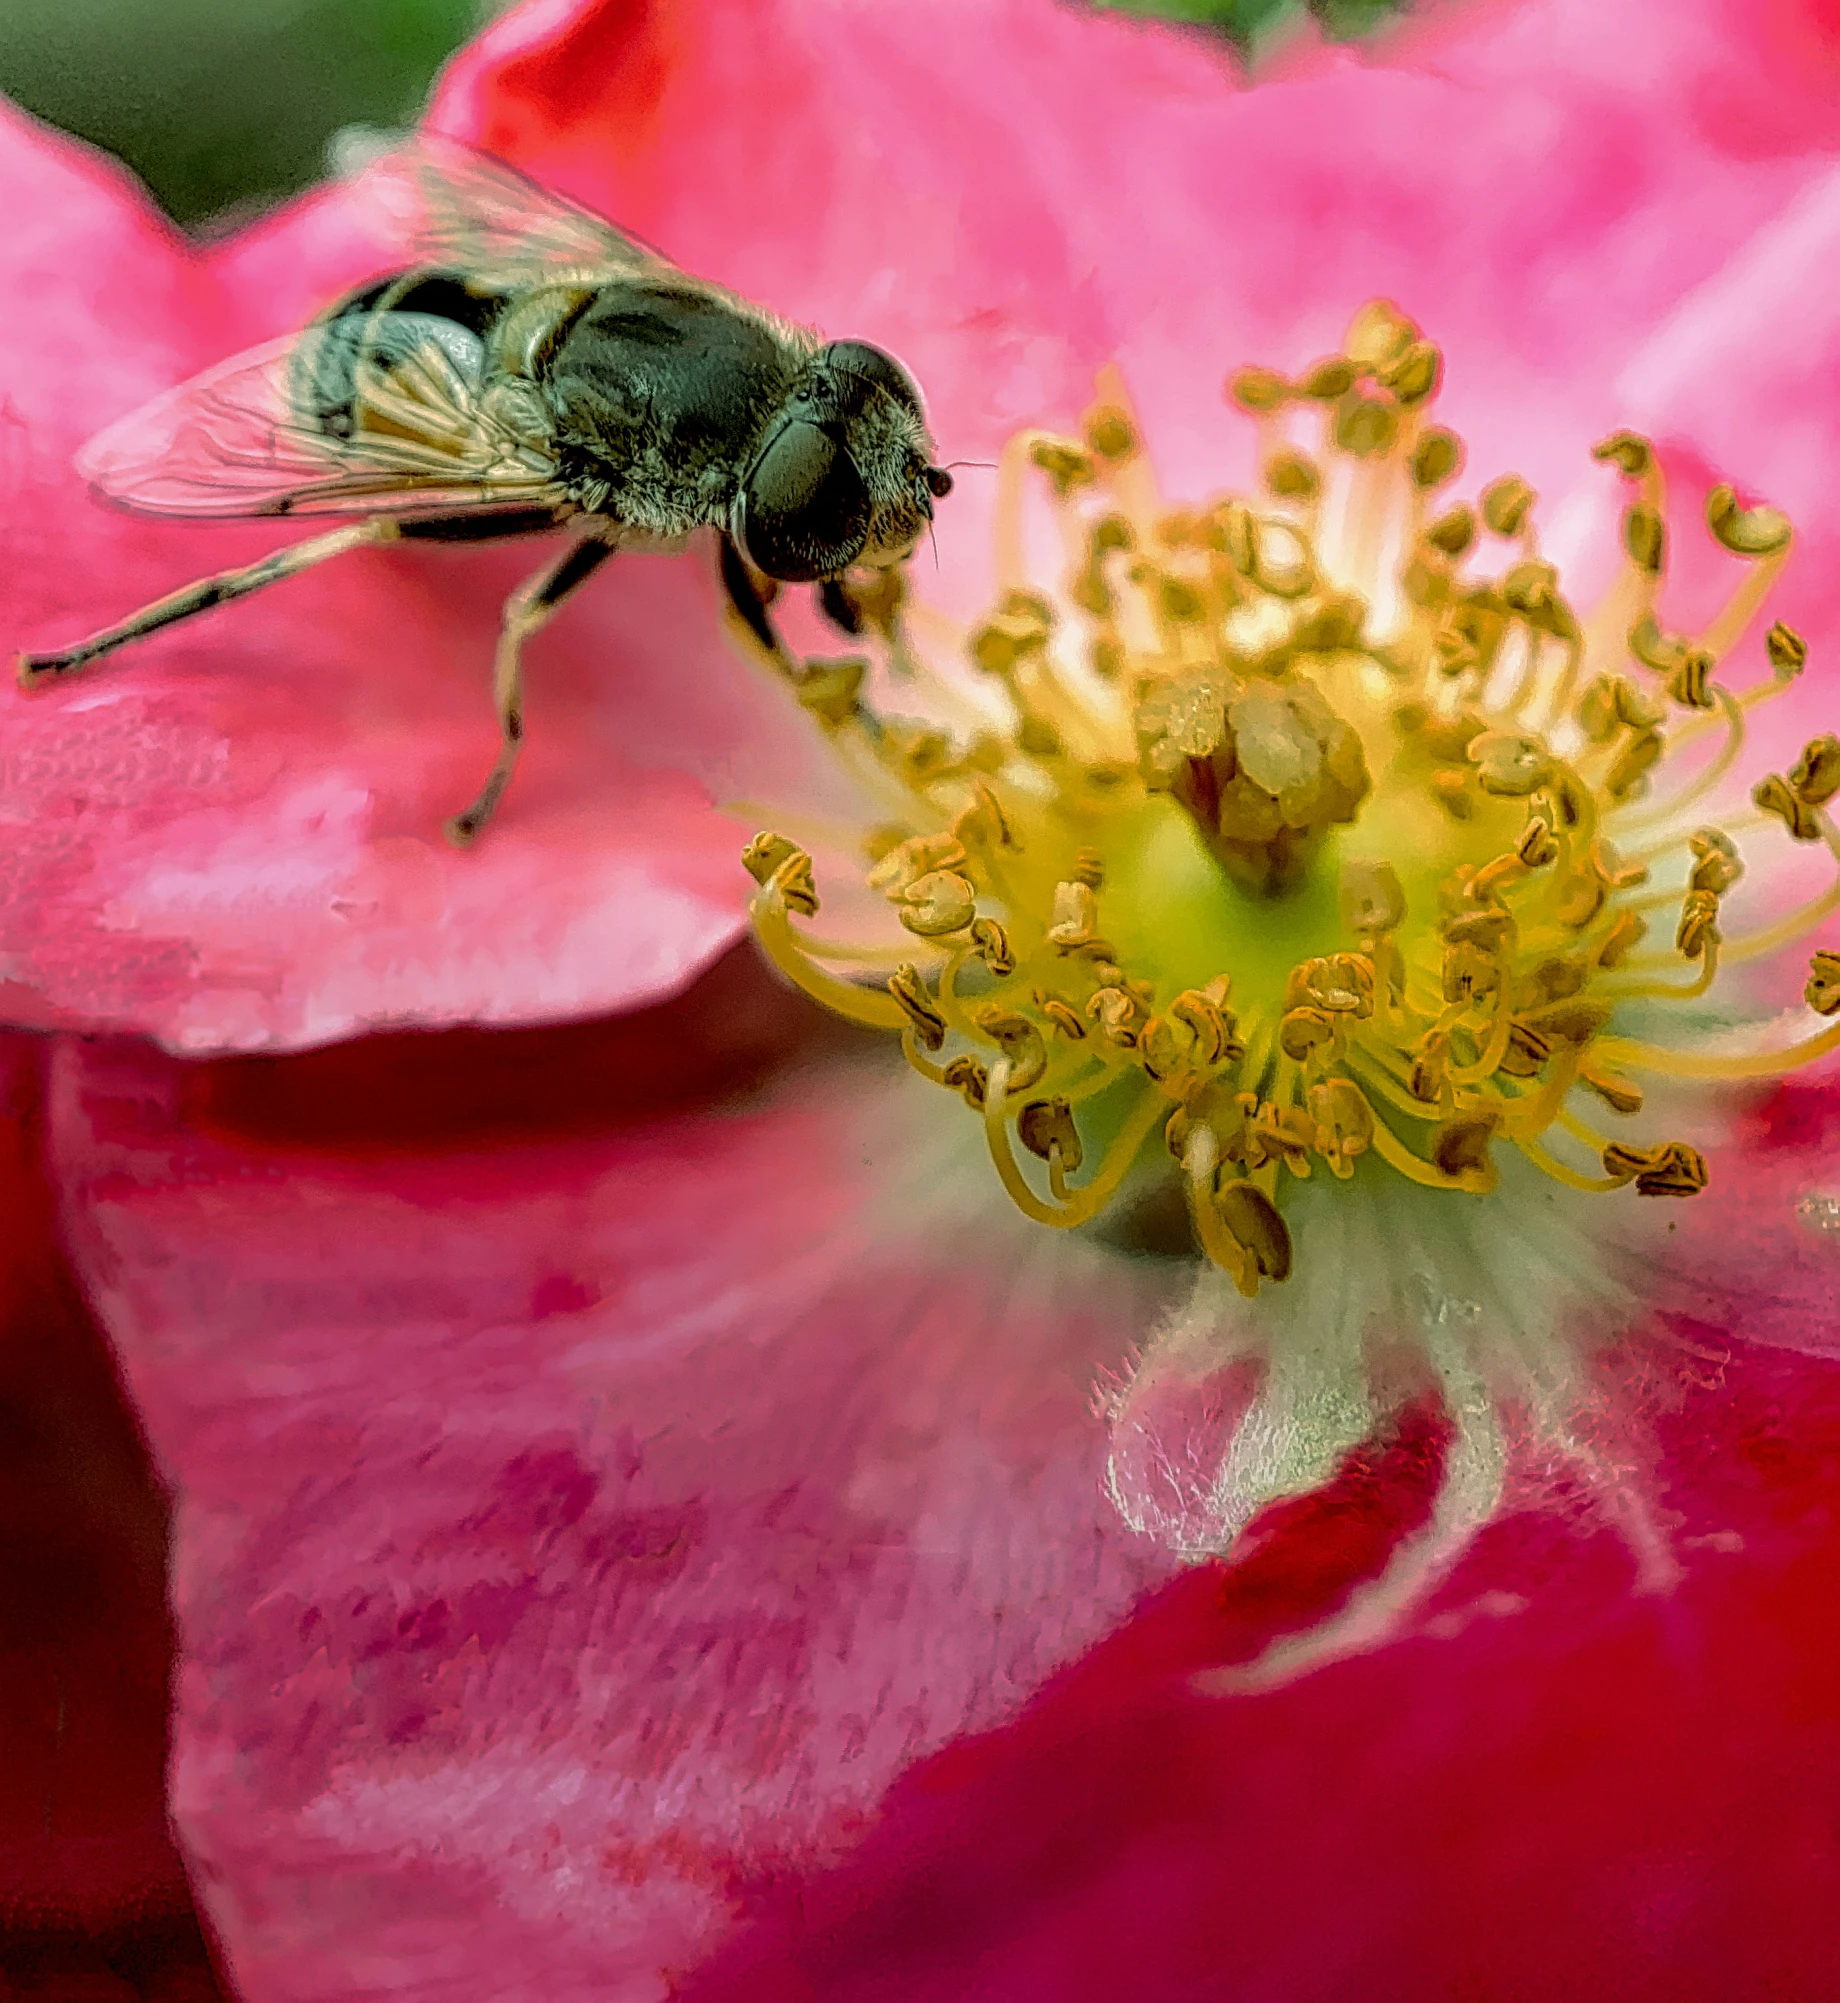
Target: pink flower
[641, 1520]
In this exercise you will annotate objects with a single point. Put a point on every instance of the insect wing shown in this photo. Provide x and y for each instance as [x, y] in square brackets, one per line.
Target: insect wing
[239, 440]
[463, 211]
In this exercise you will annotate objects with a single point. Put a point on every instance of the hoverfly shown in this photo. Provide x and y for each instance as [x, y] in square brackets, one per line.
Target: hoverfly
[529, 367]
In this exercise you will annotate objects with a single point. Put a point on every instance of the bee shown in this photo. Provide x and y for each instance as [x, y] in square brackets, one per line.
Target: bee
[531, 368]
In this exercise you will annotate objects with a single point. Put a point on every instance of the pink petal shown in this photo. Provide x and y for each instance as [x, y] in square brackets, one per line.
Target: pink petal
[574, 1525]
[1539, 185]
[673, 1540]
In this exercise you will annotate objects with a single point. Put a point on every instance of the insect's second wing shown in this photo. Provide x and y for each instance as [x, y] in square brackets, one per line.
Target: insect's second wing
[464, 211]
[264, 434]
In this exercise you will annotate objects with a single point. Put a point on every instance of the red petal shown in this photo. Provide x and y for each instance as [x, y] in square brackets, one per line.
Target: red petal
[89, 1877]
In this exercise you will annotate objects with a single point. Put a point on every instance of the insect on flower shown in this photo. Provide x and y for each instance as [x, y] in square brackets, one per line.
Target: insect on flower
[529, 367]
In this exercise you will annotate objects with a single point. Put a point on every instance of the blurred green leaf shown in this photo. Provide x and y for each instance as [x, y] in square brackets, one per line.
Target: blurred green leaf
[218, 104]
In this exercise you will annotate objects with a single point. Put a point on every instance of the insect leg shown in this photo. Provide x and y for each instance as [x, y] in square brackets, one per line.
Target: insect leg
[200, 597]
[529, 607]
[748, 604]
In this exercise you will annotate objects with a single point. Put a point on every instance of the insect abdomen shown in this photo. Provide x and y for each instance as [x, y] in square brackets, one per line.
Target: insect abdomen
[377, 327]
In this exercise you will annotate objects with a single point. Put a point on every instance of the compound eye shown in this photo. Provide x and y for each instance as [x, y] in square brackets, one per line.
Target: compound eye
[858, 358]
[939, 481]
[803, 512]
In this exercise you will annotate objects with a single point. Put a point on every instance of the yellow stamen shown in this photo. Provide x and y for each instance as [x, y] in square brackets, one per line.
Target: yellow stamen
[1279, 820]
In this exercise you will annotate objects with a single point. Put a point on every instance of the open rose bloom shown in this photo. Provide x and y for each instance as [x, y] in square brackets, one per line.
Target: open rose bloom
[1185, 1344]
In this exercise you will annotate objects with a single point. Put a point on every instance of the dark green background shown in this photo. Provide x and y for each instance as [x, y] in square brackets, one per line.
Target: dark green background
[222, 105]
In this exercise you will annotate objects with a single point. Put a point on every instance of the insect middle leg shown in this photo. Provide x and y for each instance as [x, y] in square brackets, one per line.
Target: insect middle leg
[529, 607]
[35, 669]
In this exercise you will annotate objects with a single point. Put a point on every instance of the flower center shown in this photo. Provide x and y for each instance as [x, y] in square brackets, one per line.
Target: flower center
[1316, 830]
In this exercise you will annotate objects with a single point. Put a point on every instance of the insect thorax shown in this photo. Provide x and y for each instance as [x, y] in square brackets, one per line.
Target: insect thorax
[660, 392]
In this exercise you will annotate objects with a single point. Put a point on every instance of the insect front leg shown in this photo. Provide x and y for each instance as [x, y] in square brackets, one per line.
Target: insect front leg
[200, 597]
[528, 608]
[747, 604]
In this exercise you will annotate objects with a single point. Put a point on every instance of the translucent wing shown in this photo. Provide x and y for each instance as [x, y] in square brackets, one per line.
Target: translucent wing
[243, 439]
[464, 211]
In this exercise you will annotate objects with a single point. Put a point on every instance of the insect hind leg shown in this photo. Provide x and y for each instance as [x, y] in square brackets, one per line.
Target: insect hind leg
[35, 669]
[529, 607]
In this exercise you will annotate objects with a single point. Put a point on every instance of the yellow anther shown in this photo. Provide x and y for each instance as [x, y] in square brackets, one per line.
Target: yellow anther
[1536, 846]
[1653, 648]
[1822, 992]
[1672, 1169]
[918, 1005]
[832, 690]
[1436, 457]
[1575, 1020]
[1364, 425]
[1341, 983]
[1597, 716]
[1531, 589]
[919, 856]
[764, 854]
[1191, 1036]
[1110, 432]
[967, 1076]
[1292, 476]
[1699, 924]
[1460, 1147]
[1527, 1052]
[1816, 777]
[1066, 464]
[1506, 504]
[991, 944]
[776, 863]
[1430, 1068]
[1626, 933]
[1787, 650]
[1621, 1095]
[1328, 381]
[938, 904]
[1344, 1124]
[1645, 537]
[1510, 764]
[1629, 451]
[1018, 1039]
[1746, 531]
[1488, 931]
[1690, 680]
[1469, 974]
[1253, 1219]
[1045, 1127]
[1020, 629]
[1633, 764]
[1258, 390]
[1272, 1133]
[1413, 375]
[984, 824]
[1451, 791]
[1304, 1032]
[1775, 796]
[1716, 862]
[1371, 897]
[1119, 1015]
[1075, 919]
[1065, 1020]
[1378, 335]
[1453, 532]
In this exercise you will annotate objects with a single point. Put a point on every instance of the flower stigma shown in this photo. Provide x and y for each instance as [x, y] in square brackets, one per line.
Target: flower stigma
[1314, 840]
